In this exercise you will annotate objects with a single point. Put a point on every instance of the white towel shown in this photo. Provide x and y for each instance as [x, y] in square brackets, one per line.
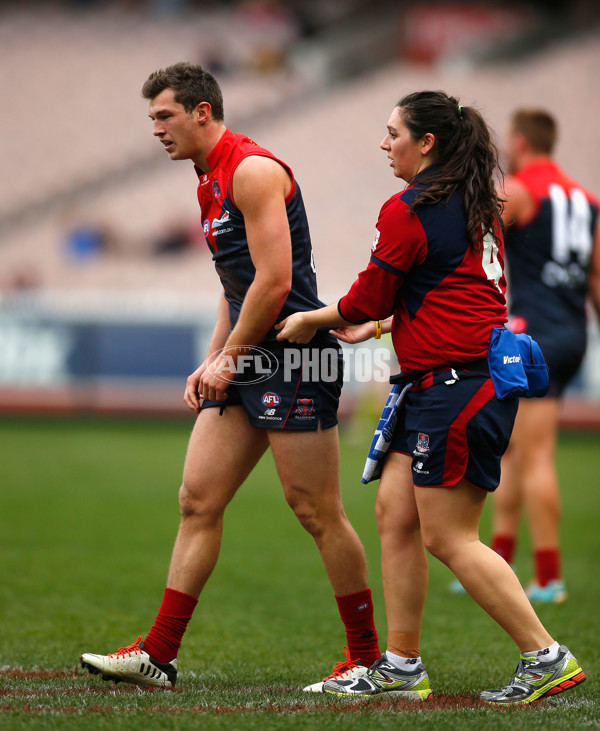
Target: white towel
[384, 432]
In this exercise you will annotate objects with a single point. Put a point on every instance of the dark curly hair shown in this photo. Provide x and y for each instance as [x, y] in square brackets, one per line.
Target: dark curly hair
[465, 156]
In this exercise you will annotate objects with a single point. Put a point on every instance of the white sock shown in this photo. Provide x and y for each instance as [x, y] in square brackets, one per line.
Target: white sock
[401, 662]
[548, 654]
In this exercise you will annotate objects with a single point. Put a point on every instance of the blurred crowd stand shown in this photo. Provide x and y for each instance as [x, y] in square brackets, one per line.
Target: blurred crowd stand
[91, 210]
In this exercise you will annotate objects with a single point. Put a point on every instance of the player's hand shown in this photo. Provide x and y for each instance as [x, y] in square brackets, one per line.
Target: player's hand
[191, 395]
[208, 381]
[216, 378]
[296, 328]
[354, 333]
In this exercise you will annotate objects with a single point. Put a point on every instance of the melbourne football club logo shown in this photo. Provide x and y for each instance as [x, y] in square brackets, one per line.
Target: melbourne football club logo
[304, 407]
[216, 189]
[422, 442]
[271, 399]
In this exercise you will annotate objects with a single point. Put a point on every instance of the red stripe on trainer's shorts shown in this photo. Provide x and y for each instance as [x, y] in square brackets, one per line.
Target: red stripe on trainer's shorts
[457, 452]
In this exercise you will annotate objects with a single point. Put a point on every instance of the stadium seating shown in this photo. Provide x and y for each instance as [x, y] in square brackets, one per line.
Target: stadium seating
[76, 117]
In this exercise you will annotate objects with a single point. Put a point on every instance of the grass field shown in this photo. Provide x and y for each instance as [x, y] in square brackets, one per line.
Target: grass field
[88, 514]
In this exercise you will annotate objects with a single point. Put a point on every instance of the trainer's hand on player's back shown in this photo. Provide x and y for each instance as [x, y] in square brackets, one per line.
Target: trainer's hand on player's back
[296, 328]
[354, 333]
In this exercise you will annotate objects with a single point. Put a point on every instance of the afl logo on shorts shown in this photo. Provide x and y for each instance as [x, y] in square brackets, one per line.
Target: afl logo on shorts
[270, 399]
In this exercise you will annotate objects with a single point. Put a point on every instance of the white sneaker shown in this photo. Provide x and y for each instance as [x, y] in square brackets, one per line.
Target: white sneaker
[346, 670]
[131, 665]
[383, 677]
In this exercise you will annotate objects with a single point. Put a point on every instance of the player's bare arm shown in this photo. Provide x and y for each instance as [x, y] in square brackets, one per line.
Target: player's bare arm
[520, 205]
[594, 275]
[217, 341]
[260, 186]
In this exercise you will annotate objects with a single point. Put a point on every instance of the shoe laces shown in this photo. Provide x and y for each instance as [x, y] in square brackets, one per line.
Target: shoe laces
[521, 675]
[340, 668]
[132, 649]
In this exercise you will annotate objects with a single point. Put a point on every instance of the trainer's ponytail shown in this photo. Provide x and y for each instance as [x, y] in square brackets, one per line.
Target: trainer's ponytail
[465, 156]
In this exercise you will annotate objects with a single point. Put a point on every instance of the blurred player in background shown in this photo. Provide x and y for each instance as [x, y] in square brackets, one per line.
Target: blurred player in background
[553, 256]
[437, 267]
[256, 227]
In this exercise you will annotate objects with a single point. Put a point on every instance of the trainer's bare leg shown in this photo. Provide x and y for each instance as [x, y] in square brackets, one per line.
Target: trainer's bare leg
[404, 566]
[450, 527]
[222, 451]
[308, 467]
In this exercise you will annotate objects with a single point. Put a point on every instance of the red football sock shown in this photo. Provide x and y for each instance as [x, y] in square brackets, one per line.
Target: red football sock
[164, 639]
[504, 545]
[356, 611]
[547, 565]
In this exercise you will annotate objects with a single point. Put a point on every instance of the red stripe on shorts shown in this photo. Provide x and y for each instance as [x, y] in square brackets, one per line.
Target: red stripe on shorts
[294, 399]
[457, 451]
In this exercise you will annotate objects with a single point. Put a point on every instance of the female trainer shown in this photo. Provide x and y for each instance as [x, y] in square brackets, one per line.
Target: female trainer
[435, 278]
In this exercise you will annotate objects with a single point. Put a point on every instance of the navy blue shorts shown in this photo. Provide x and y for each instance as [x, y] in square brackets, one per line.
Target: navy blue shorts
[454, 430]
[563, 349]
[302, 391]
[564, 360]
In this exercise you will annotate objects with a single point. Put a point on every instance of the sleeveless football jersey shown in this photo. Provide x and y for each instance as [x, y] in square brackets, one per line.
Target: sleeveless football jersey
[445, 296]
[225, 231]
[548, 256]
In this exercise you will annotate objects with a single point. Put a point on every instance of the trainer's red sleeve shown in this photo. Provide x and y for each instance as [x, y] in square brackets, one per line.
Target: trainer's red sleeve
[400, 244]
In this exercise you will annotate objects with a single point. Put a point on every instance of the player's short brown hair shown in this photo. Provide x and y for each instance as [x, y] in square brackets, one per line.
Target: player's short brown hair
[191, 85]
[538, 127]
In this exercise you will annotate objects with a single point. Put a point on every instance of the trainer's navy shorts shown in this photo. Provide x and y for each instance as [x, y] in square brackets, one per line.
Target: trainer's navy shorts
[454, 429]
[303, 392]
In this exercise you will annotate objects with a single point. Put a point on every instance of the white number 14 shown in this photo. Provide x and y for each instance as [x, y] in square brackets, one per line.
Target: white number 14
[571, 225]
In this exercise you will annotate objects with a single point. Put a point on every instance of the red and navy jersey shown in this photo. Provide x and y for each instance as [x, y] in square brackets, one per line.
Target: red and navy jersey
[548, 256]
[225, 230]
[445, 296]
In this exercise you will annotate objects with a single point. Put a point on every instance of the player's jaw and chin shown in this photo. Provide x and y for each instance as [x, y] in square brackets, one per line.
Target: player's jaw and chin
[175, 151]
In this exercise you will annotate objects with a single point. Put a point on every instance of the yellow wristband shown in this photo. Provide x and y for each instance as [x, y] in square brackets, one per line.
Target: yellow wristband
[377, 329]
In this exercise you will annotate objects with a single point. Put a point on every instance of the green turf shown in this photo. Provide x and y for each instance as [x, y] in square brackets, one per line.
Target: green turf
[88, 513]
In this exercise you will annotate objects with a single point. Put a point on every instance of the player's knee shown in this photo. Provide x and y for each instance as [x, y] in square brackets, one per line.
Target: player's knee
[199, 504]
[309, 512]
[188, 504]
[308, 517]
